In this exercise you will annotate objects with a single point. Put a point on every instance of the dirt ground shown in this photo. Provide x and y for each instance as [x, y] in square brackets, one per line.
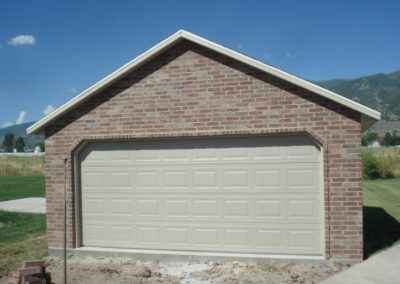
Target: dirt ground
[124, 270]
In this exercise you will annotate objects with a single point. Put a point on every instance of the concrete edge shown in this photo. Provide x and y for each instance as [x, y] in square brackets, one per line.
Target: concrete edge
[177, 256]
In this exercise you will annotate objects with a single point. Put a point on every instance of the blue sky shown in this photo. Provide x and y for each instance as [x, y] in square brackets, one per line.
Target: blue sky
[51, 50]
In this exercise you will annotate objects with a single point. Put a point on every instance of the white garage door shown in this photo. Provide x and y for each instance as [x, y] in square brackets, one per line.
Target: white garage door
[244, 195]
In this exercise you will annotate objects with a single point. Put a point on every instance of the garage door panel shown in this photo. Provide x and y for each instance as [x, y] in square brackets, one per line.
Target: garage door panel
[267, 178]
[177, 208]
[204, 208]
[148, 207]
[148, 234]
[258, 195]
[177, 235]
[268, 209]
[146, 178]
[302, 177]
[234, 178]
[221, 237]
[205, 178]
[176, 177]
[235, 207]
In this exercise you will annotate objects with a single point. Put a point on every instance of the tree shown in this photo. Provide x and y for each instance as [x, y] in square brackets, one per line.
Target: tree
[20, 144]
[369, 138]
[8, 142]
[396, 138]
[388, 139]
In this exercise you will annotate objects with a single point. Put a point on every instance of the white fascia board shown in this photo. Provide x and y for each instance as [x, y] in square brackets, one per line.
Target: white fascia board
[181, 34]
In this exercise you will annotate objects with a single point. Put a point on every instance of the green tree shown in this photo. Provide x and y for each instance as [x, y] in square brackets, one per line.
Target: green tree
[396, 138]
[8, 142]
[20, 144]
[388, 139]
[369, 138]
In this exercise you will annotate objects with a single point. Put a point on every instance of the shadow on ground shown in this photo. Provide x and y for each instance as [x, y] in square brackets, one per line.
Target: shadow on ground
[381, 230]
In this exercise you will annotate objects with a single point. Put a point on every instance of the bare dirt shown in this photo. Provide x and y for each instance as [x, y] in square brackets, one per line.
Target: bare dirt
[271, 272]
[92, 270]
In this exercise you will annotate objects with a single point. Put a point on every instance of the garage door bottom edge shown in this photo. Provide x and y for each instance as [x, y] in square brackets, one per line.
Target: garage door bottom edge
[191, 254]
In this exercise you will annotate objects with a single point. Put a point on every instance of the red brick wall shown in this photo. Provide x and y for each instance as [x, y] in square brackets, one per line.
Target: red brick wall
[192, 91]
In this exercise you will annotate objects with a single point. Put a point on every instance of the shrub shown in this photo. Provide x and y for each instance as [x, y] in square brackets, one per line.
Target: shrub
[370, 165]
[386, 166]
[378, 165]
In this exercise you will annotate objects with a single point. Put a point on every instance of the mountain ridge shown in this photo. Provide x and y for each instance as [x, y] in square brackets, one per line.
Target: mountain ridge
[20, 130]
[379, 91]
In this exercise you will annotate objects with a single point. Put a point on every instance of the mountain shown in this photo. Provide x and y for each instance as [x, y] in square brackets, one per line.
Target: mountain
[20, 130]
[380, 92]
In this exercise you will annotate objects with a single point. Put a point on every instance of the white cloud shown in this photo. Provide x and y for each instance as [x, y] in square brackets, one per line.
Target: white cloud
[21, 117]
[48, 109]
[22, 40]
[7, 124]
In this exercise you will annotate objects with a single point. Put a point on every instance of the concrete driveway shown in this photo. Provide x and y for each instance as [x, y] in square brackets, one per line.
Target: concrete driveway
[25, 205]
[382, 268]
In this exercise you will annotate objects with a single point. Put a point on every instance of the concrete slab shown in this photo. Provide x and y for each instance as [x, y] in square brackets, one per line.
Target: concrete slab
[25, 205]
[383, 268]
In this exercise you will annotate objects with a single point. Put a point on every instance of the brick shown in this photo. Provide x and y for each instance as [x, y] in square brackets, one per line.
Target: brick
[190, 91]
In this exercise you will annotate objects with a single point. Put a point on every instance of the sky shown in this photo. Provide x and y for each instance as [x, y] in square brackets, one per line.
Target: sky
[50, 50]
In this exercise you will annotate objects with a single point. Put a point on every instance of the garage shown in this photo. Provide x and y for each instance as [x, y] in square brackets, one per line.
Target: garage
[192, 148]
[245, 195]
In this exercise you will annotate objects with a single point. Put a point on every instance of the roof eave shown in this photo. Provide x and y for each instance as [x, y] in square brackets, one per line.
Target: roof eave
[367, 122]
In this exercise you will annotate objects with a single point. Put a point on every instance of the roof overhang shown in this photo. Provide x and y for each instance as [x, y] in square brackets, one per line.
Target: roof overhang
[369, 116]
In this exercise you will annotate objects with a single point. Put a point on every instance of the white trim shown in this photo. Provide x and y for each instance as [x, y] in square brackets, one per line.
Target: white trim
[176, 37]
[195, 253]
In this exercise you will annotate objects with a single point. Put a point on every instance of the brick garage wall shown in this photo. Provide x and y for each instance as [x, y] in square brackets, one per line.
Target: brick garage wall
[192, 91]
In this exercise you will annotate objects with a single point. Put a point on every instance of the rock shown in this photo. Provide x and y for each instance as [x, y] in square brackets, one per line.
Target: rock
[142, 271]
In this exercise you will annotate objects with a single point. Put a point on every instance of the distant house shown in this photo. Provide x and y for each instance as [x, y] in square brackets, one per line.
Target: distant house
[28, 149]
[37, 149]
[383, 126]
[375, 144]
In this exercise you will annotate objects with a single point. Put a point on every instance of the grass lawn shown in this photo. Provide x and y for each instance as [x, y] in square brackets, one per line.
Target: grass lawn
[21, 238]
[15, 187]
[381, 214]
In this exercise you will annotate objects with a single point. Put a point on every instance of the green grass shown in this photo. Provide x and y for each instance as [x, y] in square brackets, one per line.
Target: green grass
[383, 193]
[21, 238]
[381, 214]
[15, 187]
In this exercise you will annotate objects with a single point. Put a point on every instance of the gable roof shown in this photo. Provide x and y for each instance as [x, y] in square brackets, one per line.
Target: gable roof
[369, 116]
